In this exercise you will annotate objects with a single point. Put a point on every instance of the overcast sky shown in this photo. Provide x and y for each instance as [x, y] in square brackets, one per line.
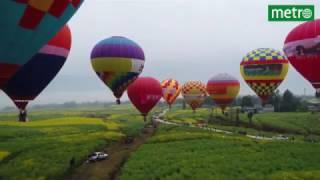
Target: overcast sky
[182, 39]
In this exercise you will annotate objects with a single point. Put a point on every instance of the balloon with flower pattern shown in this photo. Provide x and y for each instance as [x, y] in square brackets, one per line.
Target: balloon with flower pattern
[118, 61]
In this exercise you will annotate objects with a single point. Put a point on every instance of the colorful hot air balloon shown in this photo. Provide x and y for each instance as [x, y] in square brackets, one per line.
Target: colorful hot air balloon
[302, 47]
[194, 93]
[223, 89]
[170, 90]
[27, 25]
[145, 93]
[37, 73]
[117, 61]
[264, 69]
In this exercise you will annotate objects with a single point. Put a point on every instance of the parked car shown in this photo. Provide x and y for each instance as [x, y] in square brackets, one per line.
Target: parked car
[97, 156]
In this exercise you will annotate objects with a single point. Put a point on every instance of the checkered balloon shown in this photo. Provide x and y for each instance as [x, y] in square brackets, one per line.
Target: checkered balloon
[264, 69]
[194, 93]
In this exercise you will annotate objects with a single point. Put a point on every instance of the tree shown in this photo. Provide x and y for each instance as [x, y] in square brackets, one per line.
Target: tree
[275, 100]
[208, 101]
[250, 116]
[289, 102]
[184, 104]
[246, 101]
[237, 101]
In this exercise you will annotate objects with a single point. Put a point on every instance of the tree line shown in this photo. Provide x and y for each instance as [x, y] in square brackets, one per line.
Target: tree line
[286, 102]
[282, 102]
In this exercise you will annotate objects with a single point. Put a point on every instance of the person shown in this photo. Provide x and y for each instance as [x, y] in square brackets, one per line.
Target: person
[20, 115]
[237, 116]
[318, 93]
[72, 162]
[23, 115]
[250, 115]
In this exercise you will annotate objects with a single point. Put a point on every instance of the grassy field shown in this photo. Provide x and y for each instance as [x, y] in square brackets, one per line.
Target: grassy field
[185, 153]
[302, 123]
[43, 147]
[287, 123]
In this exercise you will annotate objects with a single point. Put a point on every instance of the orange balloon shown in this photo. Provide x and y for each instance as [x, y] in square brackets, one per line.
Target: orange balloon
[171, 90]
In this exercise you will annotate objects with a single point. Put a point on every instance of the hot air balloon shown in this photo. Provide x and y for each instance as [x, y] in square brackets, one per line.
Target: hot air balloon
[27, 25]
[117, 61]
[36, 74]
[145, 93]
[170, 90]
[264, 69]
[302, 47]
[223, 89]
[194, 93]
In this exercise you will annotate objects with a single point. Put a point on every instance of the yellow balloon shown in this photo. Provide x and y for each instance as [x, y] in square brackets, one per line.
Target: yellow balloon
[223, 89]
[264, 69]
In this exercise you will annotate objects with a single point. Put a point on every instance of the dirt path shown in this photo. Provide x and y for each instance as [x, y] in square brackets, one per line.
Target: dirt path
[110, 168]
[162, 121]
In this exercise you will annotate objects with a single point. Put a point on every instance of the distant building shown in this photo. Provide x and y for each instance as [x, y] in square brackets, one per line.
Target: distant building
[268, 108]
[313, 104]
[258, 108]
[254, 109]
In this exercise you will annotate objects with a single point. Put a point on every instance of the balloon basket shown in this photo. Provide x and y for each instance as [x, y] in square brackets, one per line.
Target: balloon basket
[118, 101]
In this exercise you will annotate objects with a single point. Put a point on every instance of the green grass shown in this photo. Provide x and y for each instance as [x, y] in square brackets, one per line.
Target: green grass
[43, 147]
[187, 117]
[3, 154]
[300, 123]
[39, 149]
[185, 153]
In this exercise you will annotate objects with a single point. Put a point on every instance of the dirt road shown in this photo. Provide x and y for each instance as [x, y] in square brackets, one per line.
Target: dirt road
[110, 168]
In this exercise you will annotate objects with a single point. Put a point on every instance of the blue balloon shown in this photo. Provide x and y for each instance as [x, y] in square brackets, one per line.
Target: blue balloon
[25, 26]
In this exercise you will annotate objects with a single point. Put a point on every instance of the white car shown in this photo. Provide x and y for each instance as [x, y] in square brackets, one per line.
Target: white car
[97, 156]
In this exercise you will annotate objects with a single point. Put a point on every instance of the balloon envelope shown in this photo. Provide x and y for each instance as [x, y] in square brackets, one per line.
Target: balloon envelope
[170, 90]
[264, 69]
[117, 61]
[302, 47]
[27, 25]
[36, 74]
[194, 93]
[145, 93]
[223, 89]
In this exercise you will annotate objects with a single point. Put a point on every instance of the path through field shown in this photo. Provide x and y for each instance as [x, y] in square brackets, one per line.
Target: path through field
[109, 169]
[162, 121]
[119, 153]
